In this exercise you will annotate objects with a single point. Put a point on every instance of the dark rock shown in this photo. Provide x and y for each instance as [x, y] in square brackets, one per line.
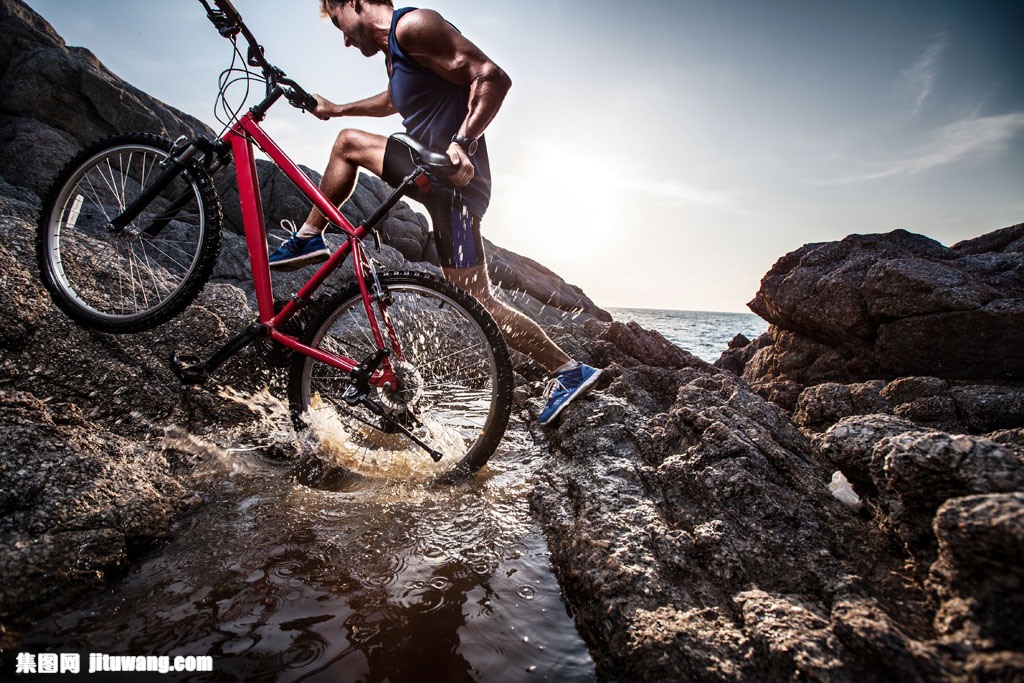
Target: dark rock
[739, 352]
[1014, 437]
[738, 342]
[23, 300]
[899, 304]
[693, 532]
[916, 472]
[849, 443]
[1005, 241]
[979, 580]
[867, 397]
[823, 405]
[791, 356]
[984, 408]
[909, 389]
[937, 411]
[783, 393]
[982, 343]
[76, 500]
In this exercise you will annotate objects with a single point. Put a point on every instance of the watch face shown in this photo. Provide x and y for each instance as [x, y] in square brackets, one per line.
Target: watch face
[468, 144]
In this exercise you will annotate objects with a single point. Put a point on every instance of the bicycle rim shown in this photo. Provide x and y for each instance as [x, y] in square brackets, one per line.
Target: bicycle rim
[127, 279]
[455, 382]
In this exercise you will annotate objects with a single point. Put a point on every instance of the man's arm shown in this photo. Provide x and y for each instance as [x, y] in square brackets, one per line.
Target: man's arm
[434, 43]
[378, 105]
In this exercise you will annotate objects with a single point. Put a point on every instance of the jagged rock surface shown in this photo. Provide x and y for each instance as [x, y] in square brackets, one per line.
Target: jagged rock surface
[895, 305]
[693, 531]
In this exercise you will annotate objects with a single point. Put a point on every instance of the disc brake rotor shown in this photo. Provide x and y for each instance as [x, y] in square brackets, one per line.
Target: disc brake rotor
[410, 389]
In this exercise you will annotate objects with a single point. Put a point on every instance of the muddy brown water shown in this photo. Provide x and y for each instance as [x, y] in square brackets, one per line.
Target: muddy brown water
[386, 580]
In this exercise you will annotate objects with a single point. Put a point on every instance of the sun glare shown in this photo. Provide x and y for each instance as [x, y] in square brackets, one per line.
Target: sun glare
[558, 208]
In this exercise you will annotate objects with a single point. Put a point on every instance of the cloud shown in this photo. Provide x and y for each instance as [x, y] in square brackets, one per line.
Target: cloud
[956, 142]
[918, 79]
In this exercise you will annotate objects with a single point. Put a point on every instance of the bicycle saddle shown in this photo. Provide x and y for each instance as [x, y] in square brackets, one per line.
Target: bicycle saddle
[431, 158]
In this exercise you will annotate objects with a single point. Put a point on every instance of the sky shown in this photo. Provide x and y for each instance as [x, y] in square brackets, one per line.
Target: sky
[664, 154]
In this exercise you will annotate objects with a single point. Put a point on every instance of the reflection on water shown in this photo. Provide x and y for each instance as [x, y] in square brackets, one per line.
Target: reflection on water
[391, 581]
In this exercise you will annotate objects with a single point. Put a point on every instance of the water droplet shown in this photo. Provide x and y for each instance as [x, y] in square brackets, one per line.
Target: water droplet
[526, 592]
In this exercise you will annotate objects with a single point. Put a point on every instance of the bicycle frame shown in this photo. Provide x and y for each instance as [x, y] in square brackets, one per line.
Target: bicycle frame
[242, 136]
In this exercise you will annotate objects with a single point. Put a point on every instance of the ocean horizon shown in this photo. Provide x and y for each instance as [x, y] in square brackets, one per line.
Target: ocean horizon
[705, 334]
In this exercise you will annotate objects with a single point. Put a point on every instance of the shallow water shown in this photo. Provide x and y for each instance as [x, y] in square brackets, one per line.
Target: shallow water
[397, 581]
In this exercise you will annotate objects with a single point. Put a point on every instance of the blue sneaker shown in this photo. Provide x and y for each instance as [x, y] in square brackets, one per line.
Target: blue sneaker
[297, 252]
[564, 387]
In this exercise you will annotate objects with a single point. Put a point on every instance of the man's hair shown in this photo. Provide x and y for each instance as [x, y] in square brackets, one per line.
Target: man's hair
[324, 4]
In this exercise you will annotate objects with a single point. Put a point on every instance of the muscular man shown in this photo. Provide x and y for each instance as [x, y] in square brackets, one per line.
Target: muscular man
[447, 92]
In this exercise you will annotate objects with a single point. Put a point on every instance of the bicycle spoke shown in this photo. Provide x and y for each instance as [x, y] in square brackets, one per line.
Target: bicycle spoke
[448, 388]
[120, 277]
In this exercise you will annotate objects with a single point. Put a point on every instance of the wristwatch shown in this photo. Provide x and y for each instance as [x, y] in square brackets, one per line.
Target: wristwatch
[468, 144]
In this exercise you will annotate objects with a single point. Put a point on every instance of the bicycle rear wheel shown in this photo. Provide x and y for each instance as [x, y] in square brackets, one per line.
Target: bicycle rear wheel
[455, 380]
[138, 277]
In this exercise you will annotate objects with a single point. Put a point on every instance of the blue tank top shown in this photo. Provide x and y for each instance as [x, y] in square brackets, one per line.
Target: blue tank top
[432, 110]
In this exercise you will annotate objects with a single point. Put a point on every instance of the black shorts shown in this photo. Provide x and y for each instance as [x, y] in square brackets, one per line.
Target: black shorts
[456, 230]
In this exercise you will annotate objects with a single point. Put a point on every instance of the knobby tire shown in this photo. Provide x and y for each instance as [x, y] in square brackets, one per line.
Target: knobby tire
[455, 377]
[126, 281]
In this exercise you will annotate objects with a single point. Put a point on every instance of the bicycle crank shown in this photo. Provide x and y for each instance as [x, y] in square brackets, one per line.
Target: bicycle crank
[377, 410]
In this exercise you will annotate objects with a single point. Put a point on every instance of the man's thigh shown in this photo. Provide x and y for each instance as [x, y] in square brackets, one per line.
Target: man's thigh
[365, 149]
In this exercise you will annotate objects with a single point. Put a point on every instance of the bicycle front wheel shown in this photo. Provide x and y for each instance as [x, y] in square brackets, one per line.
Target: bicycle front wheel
[137, 277]
[454, 380]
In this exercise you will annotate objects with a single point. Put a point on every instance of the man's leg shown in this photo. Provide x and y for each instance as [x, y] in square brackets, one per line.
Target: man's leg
[353, 149]
[569, 379]
[520, 332]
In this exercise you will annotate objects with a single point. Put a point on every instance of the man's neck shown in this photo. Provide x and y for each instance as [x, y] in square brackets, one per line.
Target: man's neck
[380, 21]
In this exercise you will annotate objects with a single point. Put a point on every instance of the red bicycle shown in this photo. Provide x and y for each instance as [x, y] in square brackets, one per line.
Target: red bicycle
[399, 363]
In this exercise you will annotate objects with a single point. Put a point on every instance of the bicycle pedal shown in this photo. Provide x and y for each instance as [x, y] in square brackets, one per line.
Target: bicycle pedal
[188, 369]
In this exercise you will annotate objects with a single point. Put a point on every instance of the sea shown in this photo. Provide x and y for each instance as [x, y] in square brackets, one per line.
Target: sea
[705, 334]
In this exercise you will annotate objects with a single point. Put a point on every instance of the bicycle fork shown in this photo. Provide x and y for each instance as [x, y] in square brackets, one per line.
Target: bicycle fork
[175, 163]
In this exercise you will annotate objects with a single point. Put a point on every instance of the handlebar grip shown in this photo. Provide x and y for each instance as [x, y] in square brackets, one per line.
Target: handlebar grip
[298, 96]
[308, 102]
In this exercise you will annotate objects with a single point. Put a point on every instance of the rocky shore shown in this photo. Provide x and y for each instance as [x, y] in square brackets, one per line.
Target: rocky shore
[686, 505]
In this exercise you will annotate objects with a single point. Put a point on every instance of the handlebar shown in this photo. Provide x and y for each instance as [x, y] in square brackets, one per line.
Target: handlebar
[228, 22]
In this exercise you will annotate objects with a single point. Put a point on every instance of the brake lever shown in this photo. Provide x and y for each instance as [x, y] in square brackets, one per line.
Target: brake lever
[225, 25]
[254, 58]
[302, 100]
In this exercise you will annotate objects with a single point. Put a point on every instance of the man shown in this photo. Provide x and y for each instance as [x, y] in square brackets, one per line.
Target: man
[447, 91]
